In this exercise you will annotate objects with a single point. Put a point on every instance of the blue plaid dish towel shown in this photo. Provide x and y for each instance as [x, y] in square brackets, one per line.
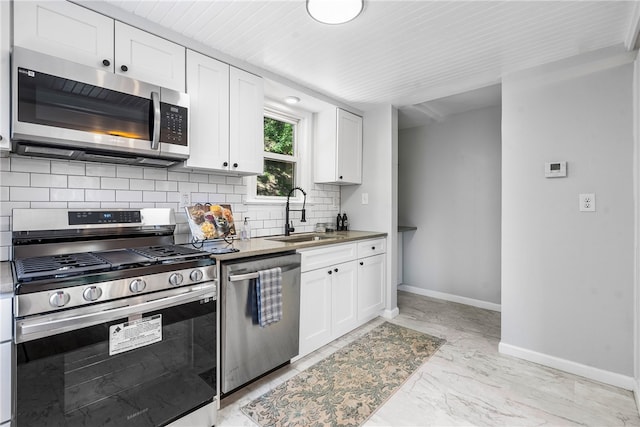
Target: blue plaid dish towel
[269, 296]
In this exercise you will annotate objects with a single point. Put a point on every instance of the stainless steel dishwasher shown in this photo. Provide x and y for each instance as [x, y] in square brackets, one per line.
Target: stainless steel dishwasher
[248, 350]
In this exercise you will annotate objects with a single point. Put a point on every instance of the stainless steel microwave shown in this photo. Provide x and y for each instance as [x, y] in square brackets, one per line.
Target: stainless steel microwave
[61, 109]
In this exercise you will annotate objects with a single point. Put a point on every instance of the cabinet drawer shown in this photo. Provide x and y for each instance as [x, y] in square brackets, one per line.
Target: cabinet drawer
[6, 319]
[371, 247]
[327, 255]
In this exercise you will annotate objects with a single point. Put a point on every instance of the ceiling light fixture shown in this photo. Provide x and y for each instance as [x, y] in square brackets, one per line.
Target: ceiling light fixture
[291, 100]
[334, 11]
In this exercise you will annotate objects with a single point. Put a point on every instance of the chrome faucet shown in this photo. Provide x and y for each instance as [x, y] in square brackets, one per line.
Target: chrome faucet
[289, 229]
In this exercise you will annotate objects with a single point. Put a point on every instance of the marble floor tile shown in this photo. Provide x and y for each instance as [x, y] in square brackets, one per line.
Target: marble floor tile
[467, 382]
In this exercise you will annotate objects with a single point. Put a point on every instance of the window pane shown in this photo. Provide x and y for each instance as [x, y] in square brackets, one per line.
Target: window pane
[277, 180]
[278, 136]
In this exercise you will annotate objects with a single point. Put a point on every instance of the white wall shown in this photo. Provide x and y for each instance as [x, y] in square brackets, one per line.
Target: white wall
[449, 187]
[380, 181]
[567, 276]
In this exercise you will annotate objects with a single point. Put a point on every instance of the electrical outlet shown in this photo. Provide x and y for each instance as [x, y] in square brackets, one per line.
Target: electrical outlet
[365, 198]
[587, 202]
[185, 199]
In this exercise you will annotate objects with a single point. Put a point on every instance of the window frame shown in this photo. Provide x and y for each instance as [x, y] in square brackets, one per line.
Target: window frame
[302, 138]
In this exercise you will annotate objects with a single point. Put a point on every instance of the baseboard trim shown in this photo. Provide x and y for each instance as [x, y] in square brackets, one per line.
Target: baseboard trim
[450, 297]
[607, 377]
[390, 314]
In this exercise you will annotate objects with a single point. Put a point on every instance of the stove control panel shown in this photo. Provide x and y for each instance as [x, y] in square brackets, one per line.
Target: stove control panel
[77, 296]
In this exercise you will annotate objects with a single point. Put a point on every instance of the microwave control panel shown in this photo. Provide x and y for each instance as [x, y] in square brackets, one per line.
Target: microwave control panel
[173, 129]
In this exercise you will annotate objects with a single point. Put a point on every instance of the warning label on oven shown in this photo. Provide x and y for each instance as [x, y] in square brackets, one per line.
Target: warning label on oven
[131, 335]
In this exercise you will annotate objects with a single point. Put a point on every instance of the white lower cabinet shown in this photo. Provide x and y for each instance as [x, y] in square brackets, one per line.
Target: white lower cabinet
[342, 287]
[5, 381]
[371, 275]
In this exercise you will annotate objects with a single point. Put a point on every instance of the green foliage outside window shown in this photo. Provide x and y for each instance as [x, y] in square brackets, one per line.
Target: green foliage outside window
[279, 175]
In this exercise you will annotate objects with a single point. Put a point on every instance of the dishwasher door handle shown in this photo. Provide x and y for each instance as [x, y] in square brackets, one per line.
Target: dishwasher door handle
[256, 274]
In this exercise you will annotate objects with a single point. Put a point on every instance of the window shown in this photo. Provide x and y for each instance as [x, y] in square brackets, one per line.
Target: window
[280, 161]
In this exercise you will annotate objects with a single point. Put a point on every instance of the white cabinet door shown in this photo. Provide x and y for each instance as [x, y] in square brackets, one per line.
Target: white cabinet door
[5, 80]
[349, 148]
[5, 381]
[246, 117]
[64, 30]
[344, 298]
[338, 147]
[371, 280]
[143, 56]
[315, 310]
[208, 89]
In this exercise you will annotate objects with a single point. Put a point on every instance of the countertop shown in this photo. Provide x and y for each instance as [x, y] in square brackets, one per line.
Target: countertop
[265, 245]
[403, 228]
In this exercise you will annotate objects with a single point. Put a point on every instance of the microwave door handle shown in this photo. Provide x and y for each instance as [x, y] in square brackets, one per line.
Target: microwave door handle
[155, 139]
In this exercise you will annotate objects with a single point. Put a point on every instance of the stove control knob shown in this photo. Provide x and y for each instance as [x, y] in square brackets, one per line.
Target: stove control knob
[175, 279]
[92, 293]
[196, 275]
[59, 299]
[137, 285]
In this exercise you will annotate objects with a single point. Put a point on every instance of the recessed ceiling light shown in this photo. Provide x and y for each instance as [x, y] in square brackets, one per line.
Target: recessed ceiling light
[292, 100]
[334, 11]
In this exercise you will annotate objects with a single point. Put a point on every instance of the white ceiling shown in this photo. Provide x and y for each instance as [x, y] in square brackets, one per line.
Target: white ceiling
[399, 52]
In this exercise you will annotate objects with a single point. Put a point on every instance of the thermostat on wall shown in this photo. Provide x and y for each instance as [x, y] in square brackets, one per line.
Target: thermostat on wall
[555, 169]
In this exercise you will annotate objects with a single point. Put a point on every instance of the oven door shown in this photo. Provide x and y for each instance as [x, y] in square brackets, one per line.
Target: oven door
[143, 361]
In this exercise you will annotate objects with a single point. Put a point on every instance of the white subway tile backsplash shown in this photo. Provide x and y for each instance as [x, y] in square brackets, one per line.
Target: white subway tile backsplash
[48, 205]
[128, 196]
[217, 179]
[225, 189]
[67, 195]
[207, 188]
[67, 168]
[141, 184]
[15, 179]
[129, 172]
[6, 208]
[4, 253]
[100, 195]
[114, 183]
[154, 196]
[99, 169]
[188, 187]
[84, 182]
[198, 177]
[27, 182]
[5, 238]
[155, 173]
[26, 164]
[28, 194]
[48, 180]
[166, 186]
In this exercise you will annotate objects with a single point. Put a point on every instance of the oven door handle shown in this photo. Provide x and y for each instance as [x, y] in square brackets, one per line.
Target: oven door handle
[29, 329]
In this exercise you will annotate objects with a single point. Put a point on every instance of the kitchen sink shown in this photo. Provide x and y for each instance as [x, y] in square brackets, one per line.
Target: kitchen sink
[299, 238]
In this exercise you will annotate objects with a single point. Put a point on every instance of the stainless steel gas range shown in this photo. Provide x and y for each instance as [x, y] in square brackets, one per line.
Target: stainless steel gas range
[114, 324]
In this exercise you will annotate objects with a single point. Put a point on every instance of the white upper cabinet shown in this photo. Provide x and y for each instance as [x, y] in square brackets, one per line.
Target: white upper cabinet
[143, 56]
[69, 31]
[226, 121]
[208, 89]
[64, 30]
[338, 147]
[5, 84]
[246, 119]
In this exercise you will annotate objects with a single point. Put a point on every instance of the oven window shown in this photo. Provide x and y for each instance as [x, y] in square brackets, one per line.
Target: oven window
[70, 379]
[54, 101]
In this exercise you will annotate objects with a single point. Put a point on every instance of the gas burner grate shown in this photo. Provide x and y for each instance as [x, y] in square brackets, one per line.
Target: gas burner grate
[58, 265]
[170, 252]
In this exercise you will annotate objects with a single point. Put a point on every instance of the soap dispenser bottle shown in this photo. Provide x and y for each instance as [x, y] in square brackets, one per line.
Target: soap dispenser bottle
[245, 231]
